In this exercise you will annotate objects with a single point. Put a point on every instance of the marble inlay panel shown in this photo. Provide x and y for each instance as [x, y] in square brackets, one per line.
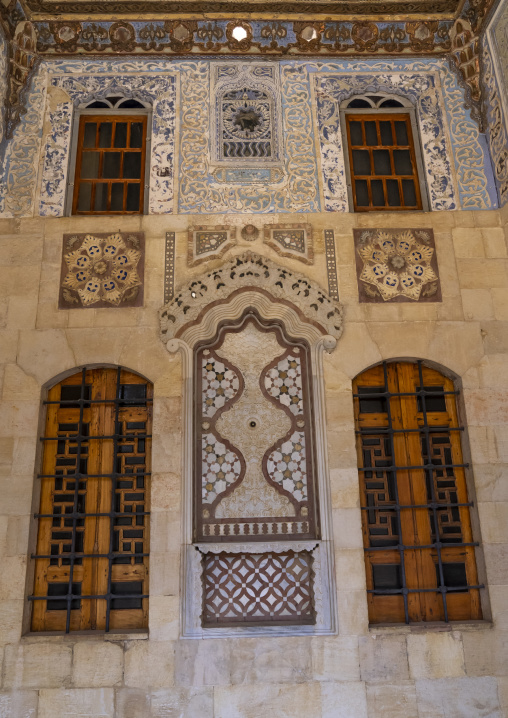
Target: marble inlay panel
[291, 240]
[397, 265]
[206, 243]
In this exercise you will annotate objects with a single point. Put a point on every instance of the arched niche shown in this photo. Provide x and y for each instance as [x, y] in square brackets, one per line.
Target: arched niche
[239, 328]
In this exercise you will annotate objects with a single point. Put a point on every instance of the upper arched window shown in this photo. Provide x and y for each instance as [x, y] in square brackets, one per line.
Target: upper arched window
[383, 154]
[110, 157]
[419, 547]
[91, 562]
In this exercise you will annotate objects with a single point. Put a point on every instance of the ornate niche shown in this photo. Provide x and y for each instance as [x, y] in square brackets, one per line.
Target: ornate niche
[246, 132]
[258, 556]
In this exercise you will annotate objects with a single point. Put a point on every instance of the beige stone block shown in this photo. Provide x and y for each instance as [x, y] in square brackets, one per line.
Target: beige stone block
[339, 410]
[18, 704]
[20, 281]
[419, 312]
[353, 614]
[343, 700]
[166, 492]
[467, 242]
[392, 700]
[164, 572]
[498, 597]
[335, 379]
[502, 687]
[486, 653]
[4, 305]
[97, 665]
[344, 248]
[341, 449]
[435, 655]
[455, 345]
[495, 242]
[353, 361]
[495, 337]
[380, 220]
[12, 577]
[500, 301]
[77, 703]
[493, 372]
[132, 702]
[203, 663]
[486, 407]
[115, 317]
[164, 618]
[37, 665]
[17, 535]
[11, 615]
[45, 354]
[462, 219]
[481, 273]
[486, 218]
[190, 702]
[412, 342]
[6, 454]
[382, 312]
[157, 660]
[22, 312]
[18, 385]
[165, 535]
[483, 444]
[494, 522]
[496, 559]
[16, 494]
[335, 658]
[97, 346]
[490, 482]
[78, 318]
[300, 700]
[263, 660]
[383, 658]
[347, 528]
[8, 345]
[477, 304]
[344, 487]
[350, 569]
[23, 456]
[458, 698]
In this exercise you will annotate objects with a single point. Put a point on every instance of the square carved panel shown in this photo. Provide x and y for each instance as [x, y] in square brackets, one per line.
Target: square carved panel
[291, 240]
[396, 265]
[102, 270]
[209, 243]
[248, 589]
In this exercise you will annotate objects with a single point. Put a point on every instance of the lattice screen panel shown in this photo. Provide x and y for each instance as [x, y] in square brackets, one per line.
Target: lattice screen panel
[250, 589]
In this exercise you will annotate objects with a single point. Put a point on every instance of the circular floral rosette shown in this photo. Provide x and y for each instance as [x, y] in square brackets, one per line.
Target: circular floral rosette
[397, 266]
[102, 270]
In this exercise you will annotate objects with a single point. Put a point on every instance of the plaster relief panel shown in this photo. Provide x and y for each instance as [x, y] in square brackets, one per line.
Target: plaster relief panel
[254, 462]
[209, 243]
[102, 270]
[291, 240]
[397, 265]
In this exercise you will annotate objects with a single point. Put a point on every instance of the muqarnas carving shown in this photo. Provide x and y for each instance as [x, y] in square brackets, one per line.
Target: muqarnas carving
[209, 243]
[397, 265]
[291, 240]
[102, 270]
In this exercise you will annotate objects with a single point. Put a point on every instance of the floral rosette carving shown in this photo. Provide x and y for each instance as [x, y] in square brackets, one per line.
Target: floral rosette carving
[397, 265]
[101, 269]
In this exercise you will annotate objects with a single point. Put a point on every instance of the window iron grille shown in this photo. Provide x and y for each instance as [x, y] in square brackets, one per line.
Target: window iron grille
[92, 550]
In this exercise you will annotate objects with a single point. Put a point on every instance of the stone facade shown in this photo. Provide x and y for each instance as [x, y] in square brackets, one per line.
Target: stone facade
[426, 671]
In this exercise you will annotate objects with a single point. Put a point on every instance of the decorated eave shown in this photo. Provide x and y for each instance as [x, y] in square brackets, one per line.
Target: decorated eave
[39, 29]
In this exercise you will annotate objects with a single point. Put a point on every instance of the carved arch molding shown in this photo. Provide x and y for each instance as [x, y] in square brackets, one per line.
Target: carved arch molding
[257, 528]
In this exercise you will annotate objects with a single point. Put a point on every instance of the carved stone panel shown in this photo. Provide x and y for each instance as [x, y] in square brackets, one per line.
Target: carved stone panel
[209, 243]
[102, 270]
[254, 477]
[397, 265]
[291, 240]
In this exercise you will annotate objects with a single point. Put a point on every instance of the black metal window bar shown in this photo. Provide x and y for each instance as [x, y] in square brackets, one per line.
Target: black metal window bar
[120, 594]
[450, 577]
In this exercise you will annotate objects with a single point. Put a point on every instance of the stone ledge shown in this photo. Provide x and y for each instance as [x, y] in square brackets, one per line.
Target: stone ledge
[112, 636]
[431, 627]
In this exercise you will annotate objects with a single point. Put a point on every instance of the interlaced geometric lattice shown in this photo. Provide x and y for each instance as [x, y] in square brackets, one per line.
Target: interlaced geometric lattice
[242, 589]
[419, 548]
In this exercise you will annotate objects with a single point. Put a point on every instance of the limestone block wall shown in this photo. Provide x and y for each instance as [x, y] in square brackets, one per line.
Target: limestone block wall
[454, 671]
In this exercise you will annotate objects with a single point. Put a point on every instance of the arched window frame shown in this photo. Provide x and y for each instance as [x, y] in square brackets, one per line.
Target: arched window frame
[386, 538]
[112, 106]
[94, 571]
[375, 107]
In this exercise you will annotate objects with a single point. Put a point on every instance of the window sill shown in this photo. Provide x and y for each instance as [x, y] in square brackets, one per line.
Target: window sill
[112, 636]
[431, 627]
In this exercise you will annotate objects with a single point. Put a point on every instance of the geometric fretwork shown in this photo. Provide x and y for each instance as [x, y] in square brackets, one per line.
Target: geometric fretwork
[91, 564]
[419, 548]
[246, 589]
